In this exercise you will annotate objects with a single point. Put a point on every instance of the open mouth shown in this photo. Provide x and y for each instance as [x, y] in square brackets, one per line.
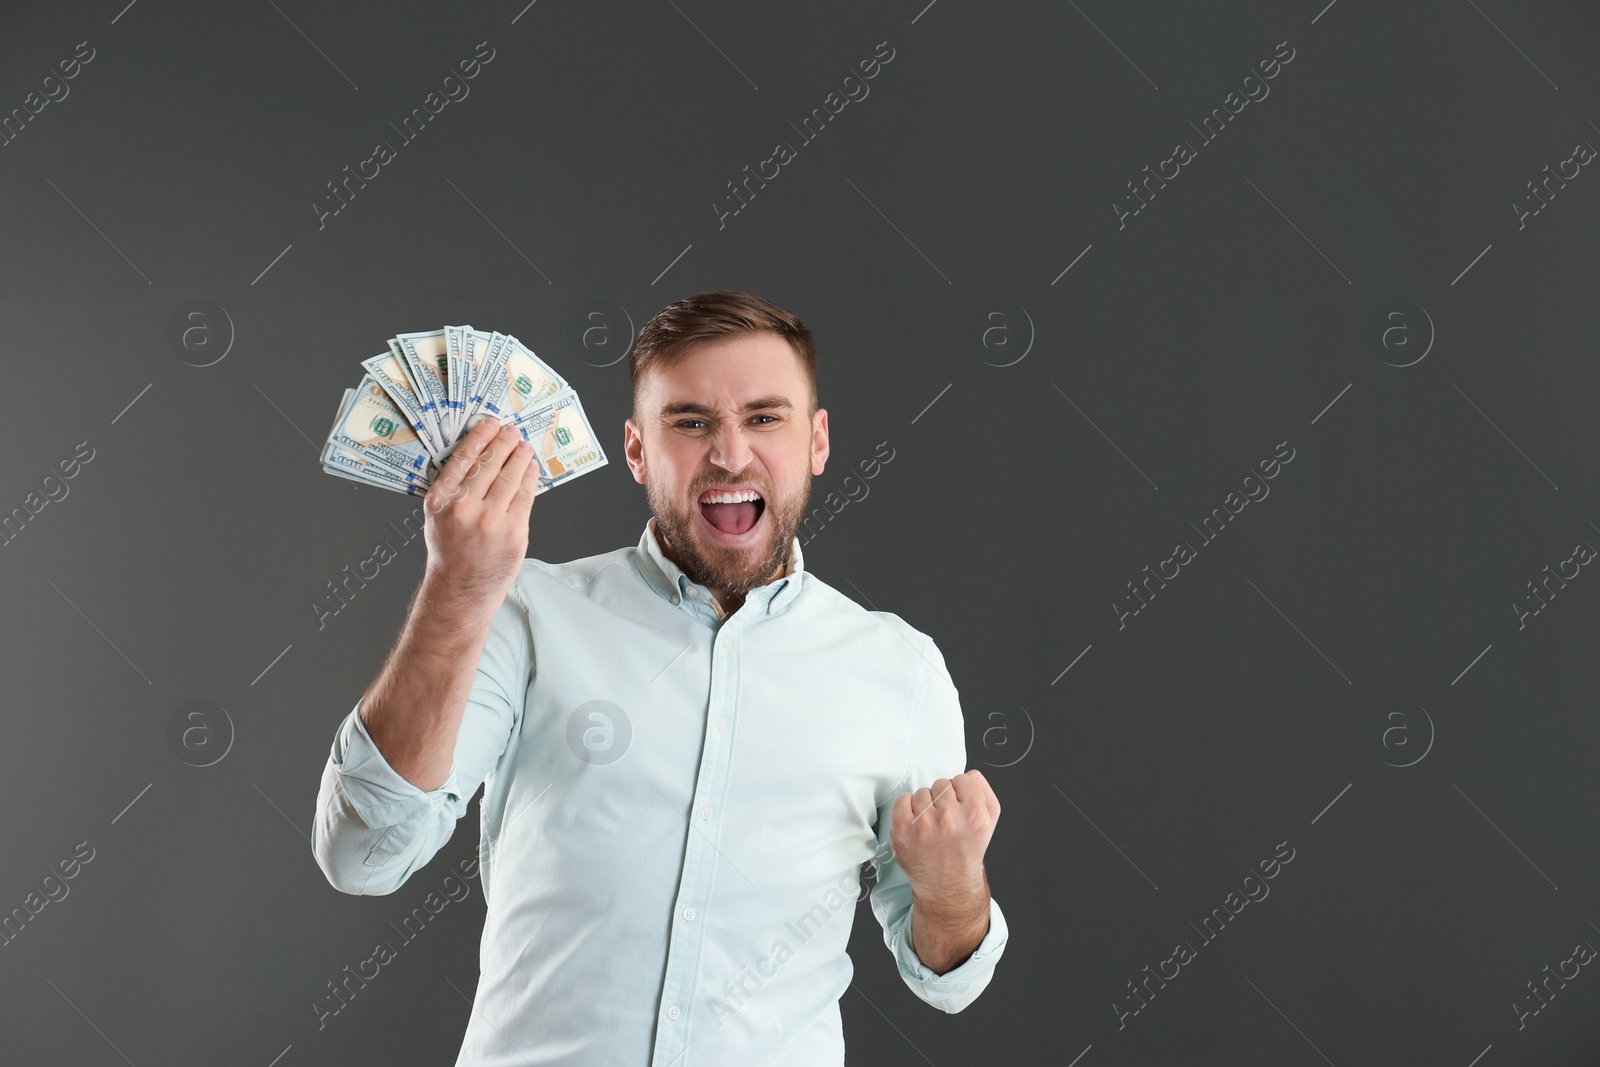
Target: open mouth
[732, 510]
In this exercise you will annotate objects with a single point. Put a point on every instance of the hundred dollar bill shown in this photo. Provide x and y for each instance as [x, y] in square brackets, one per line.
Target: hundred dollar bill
[479, 350]
[564, 444]
[482, 354]
[410, 489]
[522, 382]
[369, 477]
[424, 356]
[347, 464]
[493, 382]
[373, 428]
[389, 371]
[331, 465]
[337, 459]
[458, 381]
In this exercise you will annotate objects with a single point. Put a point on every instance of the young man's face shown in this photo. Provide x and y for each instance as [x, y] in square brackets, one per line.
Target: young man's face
[732, 414]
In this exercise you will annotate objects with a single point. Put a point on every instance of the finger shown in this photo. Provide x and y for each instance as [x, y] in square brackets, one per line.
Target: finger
[487, 468]
[455, 468]
[522, 503]
[510, 476]
[964, 789]
[980, 788]
[943, 793]
[921, 801]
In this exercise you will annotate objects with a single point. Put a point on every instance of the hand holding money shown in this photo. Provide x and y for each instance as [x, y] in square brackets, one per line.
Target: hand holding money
[477, 512]
[419, 401]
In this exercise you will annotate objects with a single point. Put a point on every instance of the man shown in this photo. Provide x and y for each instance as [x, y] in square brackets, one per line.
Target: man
[689, 746]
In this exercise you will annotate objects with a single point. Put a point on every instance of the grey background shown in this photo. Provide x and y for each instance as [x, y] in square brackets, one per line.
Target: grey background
[1140, 786]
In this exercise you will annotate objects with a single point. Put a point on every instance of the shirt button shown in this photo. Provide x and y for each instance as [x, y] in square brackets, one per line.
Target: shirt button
[722, 724]
[688, 914]
[726, 641]
[705, 813]
[672, 1012]
[674, 598]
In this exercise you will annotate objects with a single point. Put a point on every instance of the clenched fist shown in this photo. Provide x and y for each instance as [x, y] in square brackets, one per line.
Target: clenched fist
[939, 834]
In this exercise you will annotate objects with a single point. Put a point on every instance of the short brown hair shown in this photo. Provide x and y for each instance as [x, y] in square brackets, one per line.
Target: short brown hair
[670, 333]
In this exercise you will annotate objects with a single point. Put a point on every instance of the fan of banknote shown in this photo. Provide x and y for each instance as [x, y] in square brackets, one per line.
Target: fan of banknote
[418, 400]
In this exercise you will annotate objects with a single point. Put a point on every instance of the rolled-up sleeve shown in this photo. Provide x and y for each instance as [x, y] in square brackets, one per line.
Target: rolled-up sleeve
[372, 826]
[938, 750]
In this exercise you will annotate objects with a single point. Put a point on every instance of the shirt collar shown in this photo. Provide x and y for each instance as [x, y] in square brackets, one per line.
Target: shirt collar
[668, 579]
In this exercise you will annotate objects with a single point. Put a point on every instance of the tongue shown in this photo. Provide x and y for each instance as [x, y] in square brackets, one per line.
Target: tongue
[731, 518]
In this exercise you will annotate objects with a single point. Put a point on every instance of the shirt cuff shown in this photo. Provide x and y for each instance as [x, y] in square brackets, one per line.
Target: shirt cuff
[378, 792]
[958, 982]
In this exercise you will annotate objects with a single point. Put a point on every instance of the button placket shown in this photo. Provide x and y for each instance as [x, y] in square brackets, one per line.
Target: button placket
[686, 939]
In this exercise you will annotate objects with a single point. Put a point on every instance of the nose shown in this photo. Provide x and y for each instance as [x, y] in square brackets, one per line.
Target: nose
[731, 449]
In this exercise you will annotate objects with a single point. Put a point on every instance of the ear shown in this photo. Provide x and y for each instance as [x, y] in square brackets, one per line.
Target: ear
[633, 448]
[819, 440]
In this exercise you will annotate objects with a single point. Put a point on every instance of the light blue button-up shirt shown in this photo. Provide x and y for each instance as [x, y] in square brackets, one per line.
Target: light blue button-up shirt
[676, 809]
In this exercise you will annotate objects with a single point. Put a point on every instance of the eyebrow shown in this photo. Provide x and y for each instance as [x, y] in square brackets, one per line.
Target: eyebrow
[687, 407]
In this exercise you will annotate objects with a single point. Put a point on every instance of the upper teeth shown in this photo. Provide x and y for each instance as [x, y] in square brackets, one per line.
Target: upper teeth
[730, 498]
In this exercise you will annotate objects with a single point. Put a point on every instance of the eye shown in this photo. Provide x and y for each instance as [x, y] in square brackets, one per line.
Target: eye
[684, 424]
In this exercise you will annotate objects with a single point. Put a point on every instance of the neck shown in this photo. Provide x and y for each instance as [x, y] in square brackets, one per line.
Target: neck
[729, 601]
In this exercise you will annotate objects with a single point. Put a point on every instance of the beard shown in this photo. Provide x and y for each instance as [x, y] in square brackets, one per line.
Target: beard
[729, 570]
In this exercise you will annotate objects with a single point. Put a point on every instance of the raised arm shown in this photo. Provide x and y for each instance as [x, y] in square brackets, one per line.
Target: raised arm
[439, 714]
[477, 535]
